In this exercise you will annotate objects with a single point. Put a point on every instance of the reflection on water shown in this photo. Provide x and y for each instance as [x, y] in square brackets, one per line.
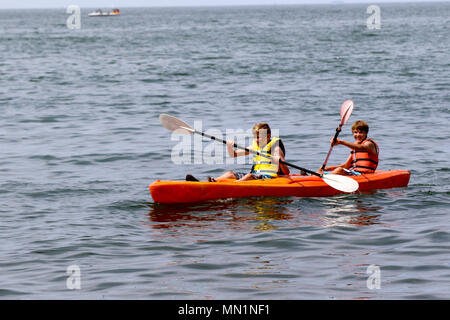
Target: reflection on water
[263, 214]
[255, 214]
[350, 214]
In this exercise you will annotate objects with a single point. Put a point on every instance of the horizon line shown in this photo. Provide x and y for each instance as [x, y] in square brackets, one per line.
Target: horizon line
[335, 2]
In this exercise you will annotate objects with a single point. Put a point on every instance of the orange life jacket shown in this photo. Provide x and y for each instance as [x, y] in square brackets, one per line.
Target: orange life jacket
[364, 161]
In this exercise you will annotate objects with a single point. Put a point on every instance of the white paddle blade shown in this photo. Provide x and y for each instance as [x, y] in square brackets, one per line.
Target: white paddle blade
[341, 183]
[174, 124]
[346, 111]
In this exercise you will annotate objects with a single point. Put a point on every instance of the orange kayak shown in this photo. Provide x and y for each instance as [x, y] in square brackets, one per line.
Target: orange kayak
[285, 186]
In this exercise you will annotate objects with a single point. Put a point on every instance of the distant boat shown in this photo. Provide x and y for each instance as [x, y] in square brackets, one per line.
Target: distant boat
[100, 13]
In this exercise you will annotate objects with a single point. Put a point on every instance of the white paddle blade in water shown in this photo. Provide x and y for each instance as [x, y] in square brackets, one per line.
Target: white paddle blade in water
[174, 124]
[346, 111]
[341, 183]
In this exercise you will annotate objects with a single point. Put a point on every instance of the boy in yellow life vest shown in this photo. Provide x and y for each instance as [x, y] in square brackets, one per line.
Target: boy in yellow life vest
[364, 155]
[263, 168]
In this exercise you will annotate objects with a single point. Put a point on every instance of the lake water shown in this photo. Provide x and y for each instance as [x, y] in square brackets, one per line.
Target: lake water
[81, 142]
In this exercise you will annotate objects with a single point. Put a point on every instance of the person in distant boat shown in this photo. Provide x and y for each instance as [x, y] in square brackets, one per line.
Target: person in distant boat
[263, 167]
[364, 155]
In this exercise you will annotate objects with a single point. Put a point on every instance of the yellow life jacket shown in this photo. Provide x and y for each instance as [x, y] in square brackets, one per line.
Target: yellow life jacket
[263, 165]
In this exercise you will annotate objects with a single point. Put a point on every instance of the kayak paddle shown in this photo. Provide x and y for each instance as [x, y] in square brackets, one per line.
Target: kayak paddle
[346, 111]
[341, 183]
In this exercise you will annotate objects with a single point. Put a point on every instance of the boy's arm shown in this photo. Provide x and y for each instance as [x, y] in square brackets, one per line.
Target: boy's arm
[347, 164]
[235, 153]
[277, 156]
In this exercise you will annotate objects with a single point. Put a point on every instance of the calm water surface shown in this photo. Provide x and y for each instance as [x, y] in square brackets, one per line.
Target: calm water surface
[81, 142]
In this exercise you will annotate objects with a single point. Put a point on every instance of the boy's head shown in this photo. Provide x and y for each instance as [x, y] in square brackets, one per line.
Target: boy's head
[360, 130]
[361, 126]
[261, 133]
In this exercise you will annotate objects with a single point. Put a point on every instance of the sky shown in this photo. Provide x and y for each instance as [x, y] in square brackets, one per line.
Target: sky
[6, 4]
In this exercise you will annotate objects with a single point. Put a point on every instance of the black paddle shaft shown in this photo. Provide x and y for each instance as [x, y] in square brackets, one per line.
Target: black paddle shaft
[259, 153]
[338, 130]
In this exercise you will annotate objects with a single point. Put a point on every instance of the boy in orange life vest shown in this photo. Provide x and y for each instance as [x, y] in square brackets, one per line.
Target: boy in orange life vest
[364, 155]
[263, 168]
